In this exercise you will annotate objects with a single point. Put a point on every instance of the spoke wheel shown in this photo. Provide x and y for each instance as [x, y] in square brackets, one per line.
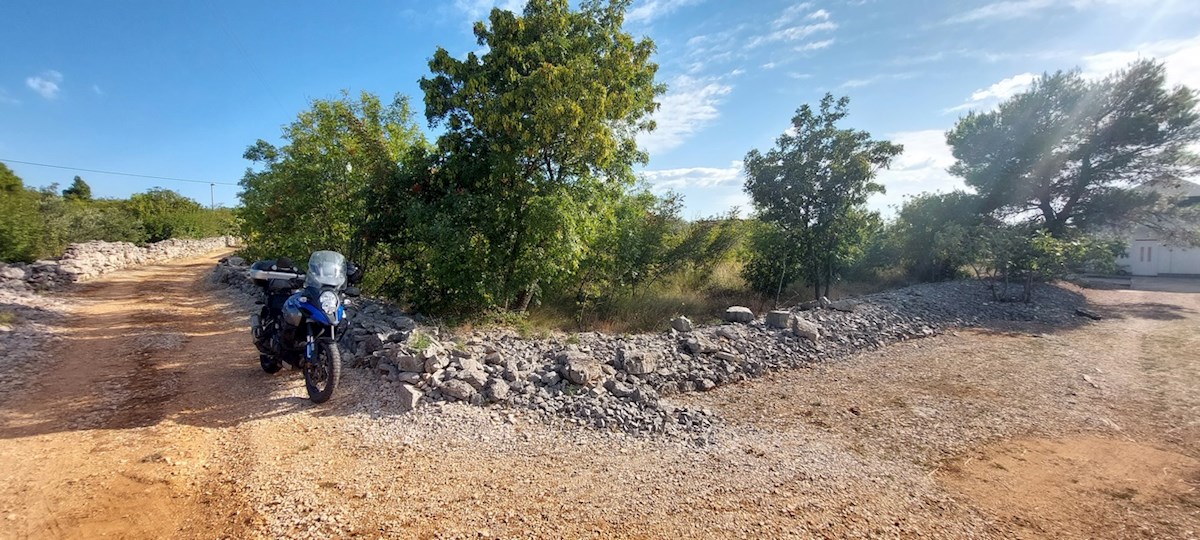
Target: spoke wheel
[322, 374]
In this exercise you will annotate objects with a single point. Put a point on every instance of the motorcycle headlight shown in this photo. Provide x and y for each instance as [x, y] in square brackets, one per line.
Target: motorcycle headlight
[329, 304]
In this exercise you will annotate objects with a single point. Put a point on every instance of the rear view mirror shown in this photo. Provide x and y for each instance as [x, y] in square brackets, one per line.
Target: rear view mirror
[352, 292]
[354, 273]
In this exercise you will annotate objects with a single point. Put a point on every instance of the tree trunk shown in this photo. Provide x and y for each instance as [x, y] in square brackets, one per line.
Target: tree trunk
[525, 297]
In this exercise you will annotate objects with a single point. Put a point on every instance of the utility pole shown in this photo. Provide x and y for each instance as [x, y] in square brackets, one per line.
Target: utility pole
[212, 196]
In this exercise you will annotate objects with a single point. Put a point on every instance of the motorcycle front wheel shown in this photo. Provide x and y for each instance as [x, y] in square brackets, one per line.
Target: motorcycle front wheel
[322, 374]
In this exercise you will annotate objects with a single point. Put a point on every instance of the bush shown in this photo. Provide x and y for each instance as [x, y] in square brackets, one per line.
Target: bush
[39, 224]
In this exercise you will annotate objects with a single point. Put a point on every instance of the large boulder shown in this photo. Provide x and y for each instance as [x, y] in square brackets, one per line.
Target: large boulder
[681, 324]
[583, 371]
[849, 306]
[738, 314]
[638, 362]
[496, 390]
[698, 345]
[12, 272]
[806, 329]
[458, 389]
[474, 377]
[410, 397]
[778, 318]
[408, 362]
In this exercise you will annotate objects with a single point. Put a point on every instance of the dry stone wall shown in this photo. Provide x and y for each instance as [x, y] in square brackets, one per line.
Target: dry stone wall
[624, 382]
[87, 260]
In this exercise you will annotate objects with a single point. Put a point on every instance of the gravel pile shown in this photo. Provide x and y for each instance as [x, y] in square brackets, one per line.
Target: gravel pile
[620, 382]
[27, 337]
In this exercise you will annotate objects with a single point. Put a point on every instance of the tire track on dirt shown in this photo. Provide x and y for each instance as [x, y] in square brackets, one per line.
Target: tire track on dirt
[117, 435]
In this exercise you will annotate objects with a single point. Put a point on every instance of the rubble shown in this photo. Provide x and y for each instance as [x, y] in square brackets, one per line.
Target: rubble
[619, 382]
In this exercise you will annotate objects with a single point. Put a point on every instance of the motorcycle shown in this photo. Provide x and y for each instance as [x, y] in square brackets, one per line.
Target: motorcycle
[302, 316]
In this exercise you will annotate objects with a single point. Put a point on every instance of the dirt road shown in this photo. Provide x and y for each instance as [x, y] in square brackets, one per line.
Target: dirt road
[155, 421]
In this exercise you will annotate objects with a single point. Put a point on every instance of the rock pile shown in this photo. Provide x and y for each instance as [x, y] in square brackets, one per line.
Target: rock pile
[619, 382]
[87, 260]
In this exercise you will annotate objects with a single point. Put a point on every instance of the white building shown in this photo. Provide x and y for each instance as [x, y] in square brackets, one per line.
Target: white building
[1148, 255]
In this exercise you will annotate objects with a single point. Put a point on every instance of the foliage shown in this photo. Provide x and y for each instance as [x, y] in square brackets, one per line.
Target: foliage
[20, 222]
[1067, 152]
[930, 234]
[79, 191]
[167, 214]
[1013, 258]
[538, 150]
[317, 191]
[644, 242]
[813, 186]
[40, 223]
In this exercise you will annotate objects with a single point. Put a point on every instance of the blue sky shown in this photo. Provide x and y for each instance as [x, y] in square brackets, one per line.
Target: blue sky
[179, 89]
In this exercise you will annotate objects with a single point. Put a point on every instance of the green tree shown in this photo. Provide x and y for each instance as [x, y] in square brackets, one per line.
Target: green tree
[1067, 151]
[539, 141]
[325, 189]
[813, 186]
[930, 233]
[166, 214]
[21, 225]
[79, 191]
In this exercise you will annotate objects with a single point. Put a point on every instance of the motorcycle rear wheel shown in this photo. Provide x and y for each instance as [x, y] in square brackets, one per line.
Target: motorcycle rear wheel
[322, 374]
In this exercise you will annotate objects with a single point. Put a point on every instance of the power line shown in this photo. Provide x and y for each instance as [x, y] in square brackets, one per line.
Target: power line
[117, 173]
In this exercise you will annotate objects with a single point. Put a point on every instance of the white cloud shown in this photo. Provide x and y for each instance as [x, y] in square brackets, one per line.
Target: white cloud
[999, 11]
[1019, 9]
[45, 84]
[653, 9]
[694, 177]
[814, 45]
[97, 90]
[769, 65]
[689, 105]
[1181, 57]
[859, 83]
[996, 93]
[706, 191]
[791, 13]
[819, 15]
[1005, 88]
[792, 33]
[479, 9]
[921, 168]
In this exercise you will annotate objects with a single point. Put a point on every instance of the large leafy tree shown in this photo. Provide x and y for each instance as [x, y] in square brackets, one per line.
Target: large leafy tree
[932, 233]
[1068, 152]
[20, 222]
[78, 191]
[318, 190]
[166, 214]
[539, 141]
[813, 187]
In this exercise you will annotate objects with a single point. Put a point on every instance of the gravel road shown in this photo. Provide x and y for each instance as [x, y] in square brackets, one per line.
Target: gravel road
[149, 417]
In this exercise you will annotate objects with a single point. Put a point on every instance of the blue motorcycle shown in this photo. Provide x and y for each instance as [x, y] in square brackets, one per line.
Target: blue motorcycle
[302, 316]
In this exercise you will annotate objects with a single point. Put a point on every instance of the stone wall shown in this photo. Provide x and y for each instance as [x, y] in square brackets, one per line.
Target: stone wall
[618, 381]
[86, 260]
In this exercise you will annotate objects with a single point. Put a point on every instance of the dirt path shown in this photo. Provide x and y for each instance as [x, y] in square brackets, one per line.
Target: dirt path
[155, 421]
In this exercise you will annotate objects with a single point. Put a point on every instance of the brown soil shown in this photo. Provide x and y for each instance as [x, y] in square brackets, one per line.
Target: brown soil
[154, 420]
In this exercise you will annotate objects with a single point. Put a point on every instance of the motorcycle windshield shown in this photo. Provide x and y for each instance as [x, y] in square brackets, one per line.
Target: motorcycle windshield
[326, 268]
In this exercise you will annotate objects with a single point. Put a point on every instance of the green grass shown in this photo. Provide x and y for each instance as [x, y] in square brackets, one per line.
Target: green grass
[650, 308]
[420, 341]
[8, 318]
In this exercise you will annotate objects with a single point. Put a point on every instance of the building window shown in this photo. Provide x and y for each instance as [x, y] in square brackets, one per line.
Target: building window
[1148, 250]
